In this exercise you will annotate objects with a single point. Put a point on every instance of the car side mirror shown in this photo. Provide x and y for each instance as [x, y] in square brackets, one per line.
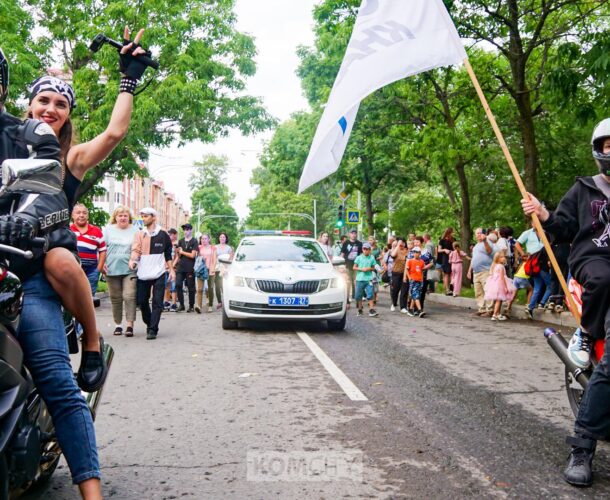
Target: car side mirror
[337, 261]
[224, 259]
[31, 176]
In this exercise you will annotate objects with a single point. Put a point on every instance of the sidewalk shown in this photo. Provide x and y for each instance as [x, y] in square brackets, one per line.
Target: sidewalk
[518, 312]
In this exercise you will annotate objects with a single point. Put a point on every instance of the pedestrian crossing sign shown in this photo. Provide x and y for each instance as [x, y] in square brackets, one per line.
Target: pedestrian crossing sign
[353, 216]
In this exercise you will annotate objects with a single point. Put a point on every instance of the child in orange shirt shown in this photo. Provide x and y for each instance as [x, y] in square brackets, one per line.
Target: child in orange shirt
[415, 272]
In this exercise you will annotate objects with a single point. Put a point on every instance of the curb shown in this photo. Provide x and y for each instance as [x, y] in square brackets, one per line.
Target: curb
[560, 319]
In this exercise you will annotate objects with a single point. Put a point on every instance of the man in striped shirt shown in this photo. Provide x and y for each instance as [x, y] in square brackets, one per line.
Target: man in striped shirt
[90, 243]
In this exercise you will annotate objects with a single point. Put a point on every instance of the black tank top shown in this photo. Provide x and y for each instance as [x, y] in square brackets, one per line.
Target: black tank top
[71, 185]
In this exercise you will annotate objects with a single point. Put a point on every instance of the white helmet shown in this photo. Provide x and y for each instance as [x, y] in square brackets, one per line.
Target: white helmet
[600, 133]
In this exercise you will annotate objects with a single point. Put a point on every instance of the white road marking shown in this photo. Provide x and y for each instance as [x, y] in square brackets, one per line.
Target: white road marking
[335, 372]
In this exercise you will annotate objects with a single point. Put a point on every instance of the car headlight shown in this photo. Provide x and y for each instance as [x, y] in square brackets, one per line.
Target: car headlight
[238, 281]
[323, 285]
[337, 283]
[251, 282]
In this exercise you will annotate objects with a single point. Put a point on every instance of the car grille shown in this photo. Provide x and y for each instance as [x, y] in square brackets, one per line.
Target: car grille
[263, 309]
[270, 286]
[301, 287]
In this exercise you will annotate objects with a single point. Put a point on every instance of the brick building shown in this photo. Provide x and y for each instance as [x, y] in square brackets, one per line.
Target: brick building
[137, 193]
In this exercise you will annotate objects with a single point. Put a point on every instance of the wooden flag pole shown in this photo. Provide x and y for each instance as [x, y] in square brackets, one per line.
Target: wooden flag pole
[522, 189]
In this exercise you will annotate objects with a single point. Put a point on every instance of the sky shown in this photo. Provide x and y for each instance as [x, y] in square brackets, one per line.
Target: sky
[279, 27]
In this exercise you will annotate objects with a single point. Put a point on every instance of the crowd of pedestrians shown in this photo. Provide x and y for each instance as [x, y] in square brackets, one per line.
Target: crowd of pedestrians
[496, 265]
[149, 268]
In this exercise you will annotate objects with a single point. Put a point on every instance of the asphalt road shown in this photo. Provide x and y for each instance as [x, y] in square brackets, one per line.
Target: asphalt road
[456, 407]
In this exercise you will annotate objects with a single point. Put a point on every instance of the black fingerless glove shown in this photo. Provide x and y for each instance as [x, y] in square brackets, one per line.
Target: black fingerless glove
[130, 65]
[15, 231]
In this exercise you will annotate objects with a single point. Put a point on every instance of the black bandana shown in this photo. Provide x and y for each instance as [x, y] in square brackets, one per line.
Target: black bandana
[53, 84]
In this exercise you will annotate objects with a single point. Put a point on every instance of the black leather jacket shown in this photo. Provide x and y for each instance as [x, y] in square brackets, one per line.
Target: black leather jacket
[47, 213]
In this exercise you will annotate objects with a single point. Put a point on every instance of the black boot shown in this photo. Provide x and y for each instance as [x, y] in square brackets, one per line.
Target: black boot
[578, 471]
[92, 371]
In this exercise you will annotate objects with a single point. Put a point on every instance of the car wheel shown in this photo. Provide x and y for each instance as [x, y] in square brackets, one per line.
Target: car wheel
[337, 325]
[228, 324]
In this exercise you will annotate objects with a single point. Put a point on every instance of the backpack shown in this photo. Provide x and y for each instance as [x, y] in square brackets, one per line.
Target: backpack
[532, 264]
[201, 270]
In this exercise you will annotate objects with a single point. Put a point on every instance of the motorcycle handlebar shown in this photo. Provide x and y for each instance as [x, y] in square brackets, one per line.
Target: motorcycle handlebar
[26, 254]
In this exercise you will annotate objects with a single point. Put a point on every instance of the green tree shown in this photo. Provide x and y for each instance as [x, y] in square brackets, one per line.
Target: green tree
[26, 55]
[197, 94]
[525, 34]
[211, 199]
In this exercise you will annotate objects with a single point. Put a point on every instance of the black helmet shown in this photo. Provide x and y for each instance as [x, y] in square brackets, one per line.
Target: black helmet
[3, 78]
[600, 133]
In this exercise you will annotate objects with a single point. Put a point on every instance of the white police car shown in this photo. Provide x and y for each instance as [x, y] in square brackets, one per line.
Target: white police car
[282, 278]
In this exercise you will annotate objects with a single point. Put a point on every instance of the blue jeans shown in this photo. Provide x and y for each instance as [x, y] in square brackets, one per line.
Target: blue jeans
[364, 289]
[43, 340]
[93, 275]
[541, 282]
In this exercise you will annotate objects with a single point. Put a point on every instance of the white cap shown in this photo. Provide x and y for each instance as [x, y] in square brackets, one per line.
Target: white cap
[148, 211]
[416, 249]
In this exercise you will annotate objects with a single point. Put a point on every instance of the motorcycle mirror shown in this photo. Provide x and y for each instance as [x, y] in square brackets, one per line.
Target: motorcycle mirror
[31, 176]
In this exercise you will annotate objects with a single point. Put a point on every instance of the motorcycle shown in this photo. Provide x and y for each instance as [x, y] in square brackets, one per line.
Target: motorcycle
[29, 450]
[576, 379]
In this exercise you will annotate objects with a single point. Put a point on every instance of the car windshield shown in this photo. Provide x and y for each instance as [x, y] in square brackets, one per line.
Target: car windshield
[280, 250]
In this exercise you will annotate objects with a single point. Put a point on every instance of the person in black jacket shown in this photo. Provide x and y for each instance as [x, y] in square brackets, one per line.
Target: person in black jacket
[582, 218]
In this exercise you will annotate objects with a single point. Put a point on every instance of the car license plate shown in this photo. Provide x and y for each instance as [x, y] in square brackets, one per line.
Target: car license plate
[288, 301]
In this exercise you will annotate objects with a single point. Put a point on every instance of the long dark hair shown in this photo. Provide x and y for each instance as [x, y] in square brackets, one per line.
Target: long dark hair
[226, 237]
[447, 234]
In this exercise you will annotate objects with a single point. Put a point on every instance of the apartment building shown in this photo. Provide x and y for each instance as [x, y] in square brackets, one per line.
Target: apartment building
[137, 193]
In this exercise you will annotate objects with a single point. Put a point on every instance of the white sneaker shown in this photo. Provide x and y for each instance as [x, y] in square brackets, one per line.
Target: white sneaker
[392, 308]
[210, 309]
[404, 311]
[579, 349]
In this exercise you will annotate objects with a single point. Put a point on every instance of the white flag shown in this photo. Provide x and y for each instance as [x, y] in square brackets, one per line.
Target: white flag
[392, 39]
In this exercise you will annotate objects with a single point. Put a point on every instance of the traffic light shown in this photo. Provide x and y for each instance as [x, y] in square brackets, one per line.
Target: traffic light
[340, 216]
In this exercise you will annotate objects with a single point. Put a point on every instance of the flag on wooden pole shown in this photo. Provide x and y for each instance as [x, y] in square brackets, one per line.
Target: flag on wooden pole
[391, 40]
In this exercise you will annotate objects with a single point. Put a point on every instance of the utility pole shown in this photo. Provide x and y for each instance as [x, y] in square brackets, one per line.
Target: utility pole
[315, 219]
[359, 210]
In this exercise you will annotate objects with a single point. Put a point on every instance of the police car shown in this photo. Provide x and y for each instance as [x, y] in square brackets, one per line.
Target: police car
[282, 278]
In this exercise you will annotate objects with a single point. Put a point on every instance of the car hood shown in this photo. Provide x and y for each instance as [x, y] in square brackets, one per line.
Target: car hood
[286, 272]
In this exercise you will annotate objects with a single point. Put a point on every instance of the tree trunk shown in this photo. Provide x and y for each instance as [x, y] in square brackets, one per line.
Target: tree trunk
[368, 205]
[99, 171]
[464, 214]
[521, 94]
[94, 175]
[530, 148]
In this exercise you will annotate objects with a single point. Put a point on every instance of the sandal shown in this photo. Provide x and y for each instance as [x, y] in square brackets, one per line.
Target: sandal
[118, 330]
[129, 331]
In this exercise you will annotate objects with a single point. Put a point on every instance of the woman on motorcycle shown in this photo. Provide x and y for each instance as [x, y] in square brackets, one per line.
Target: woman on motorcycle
[51, 101]
[582, 218]
[41, 332]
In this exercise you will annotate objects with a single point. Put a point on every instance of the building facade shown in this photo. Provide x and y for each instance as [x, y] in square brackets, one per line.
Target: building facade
[139, 192]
